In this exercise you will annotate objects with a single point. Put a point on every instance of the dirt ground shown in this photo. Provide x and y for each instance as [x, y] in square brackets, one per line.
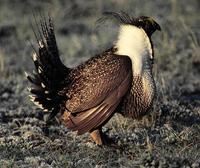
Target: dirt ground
[168, 137]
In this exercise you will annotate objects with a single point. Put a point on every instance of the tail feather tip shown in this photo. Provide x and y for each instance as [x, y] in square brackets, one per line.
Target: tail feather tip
[29, 89]
[41, 44]
[34, 56]
[43, 85]
[26, 74]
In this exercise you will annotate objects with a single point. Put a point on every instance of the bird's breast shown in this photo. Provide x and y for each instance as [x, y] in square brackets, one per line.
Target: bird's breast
[138, 100]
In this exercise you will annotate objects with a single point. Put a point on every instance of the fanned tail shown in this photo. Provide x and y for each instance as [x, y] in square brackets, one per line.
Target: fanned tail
[50, 73]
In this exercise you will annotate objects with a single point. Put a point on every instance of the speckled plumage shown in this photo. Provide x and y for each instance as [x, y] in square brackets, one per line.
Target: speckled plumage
[95, 78]
[94, 81]
[88, 95]
[138, 100]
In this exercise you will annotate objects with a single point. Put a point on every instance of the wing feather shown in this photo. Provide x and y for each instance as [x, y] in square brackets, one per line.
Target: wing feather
[93, 118]
[98, 79]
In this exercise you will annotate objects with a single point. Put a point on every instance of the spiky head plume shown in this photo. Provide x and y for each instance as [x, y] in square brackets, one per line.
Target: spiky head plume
[147, 23]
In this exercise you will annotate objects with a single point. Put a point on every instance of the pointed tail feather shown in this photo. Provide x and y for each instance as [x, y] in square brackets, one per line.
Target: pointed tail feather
[50, 73]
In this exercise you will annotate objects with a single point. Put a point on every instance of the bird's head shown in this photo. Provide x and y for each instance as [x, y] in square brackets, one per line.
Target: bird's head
[148, 24]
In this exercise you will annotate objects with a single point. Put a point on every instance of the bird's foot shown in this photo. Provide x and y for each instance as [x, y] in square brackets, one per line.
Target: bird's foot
[100, 138]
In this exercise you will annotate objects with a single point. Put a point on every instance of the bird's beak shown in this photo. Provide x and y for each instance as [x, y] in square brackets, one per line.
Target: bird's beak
[154, 23]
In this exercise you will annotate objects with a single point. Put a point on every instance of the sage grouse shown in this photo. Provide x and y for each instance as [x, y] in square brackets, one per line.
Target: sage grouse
[87, 96]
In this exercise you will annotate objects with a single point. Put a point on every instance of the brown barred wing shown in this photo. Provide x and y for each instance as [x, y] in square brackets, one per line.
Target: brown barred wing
[98, 95]
[99, 77]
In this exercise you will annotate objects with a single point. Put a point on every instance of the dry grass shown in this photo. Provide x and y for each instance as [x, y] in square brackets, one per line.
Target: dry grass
[1, 61]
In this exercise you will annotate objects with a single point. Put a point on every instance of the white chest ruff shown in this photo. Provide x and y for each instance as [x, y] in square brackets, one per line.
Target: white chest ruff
[135, 43]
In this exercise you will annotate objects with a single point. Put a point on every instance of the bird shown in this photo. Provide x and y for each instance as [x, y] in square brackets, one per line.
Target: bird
[119, 79]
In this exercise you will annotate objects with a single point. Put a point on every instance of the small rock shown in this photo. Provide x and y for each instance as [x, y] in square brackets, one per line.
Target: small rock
[196, 165]
[5, 96]
[98, 166]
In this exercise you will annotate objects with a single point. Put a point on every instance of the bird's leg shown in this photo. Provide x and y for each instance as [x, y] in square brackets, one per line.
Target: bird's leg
[101, 138]
[96, 136]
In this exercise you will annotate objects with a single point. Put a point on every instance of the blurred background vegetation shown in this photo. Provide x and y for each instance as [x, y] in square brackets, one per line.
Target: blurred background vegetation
[176, 71]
